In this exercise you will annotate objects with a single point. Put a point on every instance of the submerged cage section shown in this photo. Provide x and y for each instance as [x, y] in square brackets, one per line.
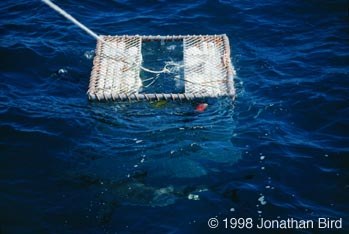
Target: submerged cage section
[202, 68]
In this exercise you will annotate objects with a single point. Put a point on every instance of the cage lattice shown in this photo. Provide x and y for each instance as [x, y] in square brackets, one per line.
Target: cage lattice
[116, 73]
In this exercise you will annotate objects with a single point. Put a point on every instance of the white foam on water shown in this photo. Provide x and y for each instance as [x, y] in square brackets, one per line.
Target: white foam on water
[261, 199]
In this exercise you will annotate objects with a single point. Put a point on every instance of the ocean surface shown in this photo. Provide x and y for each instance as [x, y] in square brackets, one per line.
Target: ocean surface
[279, 151]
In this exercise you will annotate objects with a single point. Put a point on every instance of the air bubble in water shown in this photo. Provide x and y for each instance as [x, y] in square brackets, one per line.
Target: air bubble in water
[171, 47]
[89, 54]
[62, 72]
[194, 197]
[261, 199]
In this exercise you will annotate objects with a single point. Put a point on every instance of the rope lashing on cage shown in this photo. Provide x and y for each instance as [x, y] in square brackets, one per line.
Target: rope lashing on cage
[126, 58]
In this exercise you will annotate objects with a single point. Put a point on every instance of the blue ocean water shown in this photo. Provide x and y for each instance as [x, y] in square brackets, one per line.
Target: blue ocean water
[279, 151]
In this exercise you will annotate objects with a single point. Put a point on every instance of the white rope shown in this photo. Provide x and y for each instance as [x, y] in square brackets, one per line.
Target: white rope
[72, 19]
[94, 35]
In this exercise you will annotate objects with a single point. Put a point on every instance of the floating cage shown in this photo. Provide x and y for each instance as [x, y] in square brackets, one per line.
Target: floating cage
[188, 67]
